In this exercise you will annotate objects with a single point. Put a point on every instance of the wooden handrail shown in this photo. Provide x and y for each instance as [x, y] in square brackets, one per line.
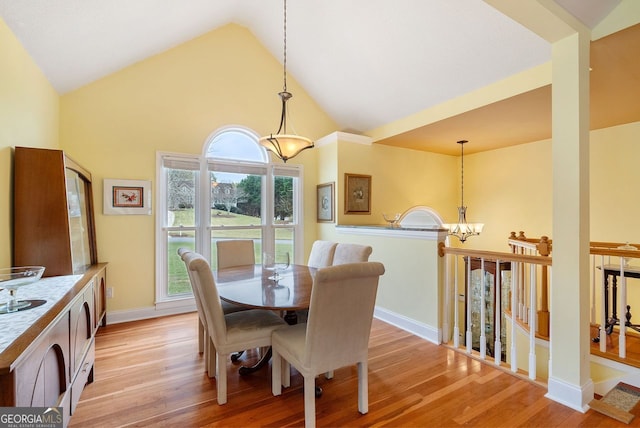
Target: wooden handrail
[494, 255]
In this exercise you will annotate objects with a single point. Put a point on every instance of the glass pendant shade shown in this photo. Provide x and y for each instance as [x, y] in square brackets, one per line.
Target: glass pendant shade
[284, 145]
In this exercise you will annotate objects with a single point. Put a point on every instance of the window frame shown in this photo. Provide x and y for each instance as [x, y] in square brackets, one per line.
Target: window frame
[202, 209]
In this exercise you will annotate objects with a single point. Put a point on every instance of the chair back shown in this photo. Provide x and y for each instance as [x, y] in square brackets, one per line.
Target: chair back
[182, 253]
[351, 253]
[235, 252]
[203, 283]
[340, 315]
[322, 253]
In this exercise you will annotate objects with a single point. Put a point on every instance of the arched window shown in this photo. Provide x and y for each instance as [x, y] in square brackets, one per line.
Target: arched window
[234, 192]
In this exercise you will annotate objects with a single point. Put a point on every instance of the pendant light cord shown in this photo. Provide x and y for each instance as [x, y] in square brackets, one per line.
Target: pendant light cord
[285, 47]
[461, 142]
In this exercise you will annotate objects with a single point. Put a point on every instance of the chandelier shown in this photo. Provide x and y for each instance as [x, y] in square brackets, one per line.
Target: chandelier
[462, 230]
[285, 145]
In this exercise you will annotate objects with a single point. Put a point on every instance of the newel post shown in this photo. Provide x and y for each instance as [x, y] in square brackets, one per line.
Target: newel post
[544, 249]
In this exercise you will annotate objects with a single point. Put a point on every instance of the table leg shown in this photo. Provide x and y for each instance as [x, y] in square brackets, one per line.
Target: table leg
[291, 318]
[244, 370]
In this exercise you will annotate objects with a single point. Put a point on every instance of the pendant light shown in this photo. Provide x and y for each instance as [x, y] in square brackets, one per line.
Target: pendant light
[285, 145]
[462, 230]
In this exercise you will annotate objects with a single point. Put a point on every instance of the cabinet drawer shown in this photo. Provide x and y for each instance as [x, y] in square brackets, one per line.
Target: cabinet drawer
[84, 375]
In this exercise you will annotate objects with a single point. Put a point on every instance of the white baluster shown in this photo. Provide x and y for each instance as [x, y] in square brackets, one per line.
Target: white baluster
[483, 336]
[497, 347]
[532, 323]
[603, 310]
[622, 312]
[468, 286]
[456, 329]
[515, 278]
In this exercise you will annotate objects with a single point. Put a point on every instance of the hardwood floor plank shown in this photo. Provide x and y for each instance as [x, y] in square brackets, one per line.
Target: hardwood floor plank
[149, 374]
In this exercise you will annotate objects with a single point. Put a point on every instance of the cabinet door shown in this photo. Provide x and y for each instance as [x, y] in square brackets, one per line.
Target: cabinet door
[43, 378]
[81, 328]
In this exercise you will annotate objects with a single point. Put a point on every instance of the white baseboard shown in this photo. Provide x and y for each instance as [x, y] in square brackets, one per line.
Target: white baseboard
[422, 330]
[570, 395]
[179, 307]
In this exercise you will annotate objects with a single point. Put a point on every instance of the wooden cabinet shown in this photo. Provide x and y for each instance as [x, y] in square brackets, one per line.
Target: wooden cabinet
[492, 288]
[50, 363]
[53, 212]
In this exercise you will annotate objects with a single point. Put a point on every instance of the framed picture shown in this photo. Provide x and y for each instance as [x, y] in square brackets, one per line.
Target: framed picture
[127, 197]
[357, 194]
[325, 203]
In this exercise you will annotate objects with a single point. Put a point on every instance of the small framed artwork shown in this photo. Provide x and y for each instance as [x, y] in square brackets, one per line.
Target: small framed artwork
[127, 197]
[325, 203]
[357, 194]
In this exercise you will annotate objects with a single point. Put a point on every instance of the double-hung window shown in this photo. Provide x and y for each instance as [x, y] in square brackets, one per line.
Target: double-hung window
[232, 191]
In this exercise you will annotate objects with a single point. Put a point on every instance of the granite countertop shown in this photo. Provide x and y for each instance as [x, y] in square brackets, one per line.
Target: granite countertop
[51, 289]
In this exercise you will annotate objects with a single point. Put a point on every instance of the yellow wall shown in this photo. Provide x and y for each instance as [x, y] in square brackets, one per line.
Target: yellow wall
[510, 189]
[173, 102]
[28, 117]
[400, 179]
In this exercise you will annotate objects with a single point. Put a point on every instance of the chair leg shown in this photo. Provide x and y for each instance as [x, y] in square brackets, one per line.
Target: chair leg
[210, 357]
[309, 401]
[221, 378]
[202, 334]
[276, 372]
[363, 387]
[286, 373]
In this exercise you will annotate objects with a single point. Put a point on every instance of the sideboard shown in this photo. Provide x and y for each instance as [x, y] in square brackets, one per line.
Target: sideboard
[51, 357]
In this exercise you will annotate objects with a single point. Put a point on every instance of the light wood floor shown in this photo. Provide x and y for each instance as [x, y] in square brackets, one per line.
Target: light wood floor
[149, 373]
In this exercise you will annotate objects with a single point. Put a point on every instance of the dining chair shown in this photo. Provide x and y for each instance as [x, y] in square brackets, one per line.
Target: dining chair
[231, 332]
[336, 334]
[235, 252]
[321, 254]
[203, 333]
[351, 253]
[232, 253]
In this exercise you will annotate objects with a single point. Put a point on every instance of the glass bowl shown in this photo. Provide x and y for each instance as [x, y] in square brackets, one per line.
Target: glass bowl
[15, 277]
[392, 219]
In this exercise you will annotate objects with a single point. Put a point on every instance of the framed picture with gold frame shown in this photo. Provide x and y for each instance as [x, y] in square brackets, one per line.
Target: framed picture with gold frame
[325, 200]
[357, 194]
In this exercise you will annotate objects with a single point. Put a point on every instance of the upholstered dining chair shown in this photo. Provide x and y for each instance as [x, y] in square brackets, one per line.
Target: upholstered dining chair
[351, 253]
[231, 332]
[336, 334]
[232, 253]
[321, 254]
[203, 333]
[235, 252]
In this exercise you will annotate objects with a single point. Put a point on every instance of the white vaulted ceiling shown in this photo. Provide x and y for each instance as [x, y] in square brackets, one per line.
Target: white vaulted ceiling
[395, 58]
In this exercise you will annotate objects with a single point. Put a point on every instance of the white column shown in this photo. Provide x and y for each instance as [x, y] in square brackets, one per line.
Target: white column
[569, 368]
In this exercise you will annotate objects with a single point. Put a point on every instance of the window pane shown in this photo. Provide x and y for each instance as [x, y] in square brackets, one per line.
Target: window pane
[236, 145]
[181, 197]
[235, 199]
[283, 212]
[284, 242]
[178, 278]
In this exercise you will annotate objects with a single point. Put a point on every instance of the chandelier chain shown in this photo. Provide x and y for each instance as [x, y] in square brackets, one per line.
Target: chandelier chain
[285, 47]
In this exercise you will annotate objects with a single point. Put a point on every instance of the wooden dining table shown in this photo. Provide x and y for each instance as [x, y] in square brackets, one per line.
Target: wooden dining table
[251, 287]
